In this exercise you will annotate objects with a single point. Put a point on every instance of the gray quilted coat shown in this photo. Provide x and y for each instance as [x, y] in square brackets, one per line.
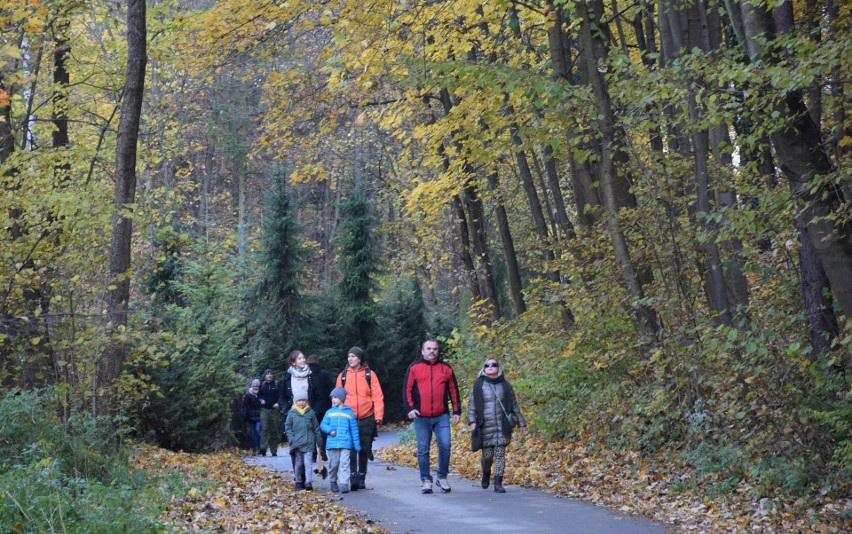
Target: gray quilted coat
[495, 429]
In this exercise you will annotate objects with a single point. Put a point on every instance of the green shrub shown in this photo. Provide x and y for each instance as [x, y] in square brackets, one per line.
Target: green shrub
[722, 466]
[408, 435]
[73, 476]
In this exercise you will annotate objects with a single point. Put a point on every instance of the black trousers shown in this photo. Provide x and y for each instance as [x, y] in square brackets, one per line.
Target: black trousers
[366, 433]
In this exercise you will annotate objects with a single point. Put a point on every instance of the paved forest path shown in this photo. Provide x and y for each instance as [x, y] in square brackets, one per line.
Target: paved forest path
[393, 500]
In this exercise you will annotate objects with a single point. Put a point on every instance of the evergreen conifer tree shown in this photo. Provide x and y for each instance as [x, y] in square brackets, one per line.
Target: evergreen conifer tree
[273, 306]
[192, 407]
[401, 330]
[358, 263]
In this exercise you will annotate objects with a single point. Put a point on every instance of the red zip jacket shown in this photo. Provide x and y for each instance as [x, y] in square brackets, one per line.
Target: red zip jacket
[430, 387]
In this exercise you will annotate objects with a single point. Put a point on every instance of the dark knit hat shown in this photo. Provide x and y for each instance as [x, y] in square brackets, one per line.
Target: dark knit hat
[359, 352]
[267, 372]
[340, 393]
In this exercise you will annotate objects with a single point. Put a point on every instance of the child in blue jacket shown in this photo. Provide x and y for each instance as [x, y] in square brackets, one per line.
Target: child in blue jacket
[342, 428]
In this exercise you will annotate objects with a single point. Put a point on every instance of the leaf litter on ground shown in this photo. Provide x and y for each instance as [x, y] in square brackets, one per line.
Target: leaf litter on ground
[234, 496]
[630, 483]
[229, 495]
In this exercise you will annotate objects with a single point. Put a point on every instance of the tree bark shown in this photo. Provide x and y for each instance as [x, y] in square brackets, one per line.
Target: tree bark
[615, 195]
[715, 285]
[566, 229]
[586, 197]
[512, 269]
[118, 293]
[472, 204]
[467, 260]
[485, 272]
[801, 156]
[822, 322]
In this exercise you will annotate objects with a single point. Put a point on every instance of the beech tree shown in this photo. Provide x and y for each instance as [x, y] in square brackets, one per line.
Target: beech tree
[118, 293]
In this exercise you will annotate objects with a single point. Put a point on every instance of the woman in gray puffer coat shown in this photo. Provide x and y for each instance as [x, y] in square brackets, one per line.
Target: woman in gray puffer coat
[492, 399]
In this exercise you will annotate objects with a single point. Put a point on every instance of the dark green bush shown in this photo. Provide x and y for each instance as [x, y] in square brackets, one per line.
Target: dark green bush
[71, 476]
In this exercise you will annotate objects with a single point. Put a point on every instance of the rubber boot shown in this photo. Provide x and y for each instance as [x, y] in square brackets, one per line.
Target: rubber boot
[498, 485]
[486, 475]
[353, 482]
[362, 482]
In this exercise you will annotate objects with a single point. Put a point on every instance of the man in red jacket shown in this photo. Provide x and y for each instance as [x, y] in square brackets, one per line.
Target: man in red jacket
[430, 385]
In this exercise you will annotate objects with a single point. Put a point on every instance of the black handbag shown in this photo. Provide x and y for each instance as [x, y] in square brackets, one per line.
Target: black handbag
[476, 439]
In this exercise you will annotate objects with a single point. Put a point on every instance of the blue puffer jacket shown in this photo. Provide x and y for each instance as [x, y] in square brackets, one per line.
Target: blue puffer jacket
[341, 420]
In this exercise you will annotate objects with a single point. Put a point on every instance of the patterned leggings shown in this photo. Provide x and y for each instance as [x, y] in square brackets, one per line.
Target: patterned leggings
[495, 456]
[302, 469]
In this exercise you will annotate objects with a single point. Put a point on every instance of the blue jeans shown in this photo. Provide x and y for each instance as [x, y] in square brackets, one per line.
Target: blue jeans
[254, 434]
[423, 429]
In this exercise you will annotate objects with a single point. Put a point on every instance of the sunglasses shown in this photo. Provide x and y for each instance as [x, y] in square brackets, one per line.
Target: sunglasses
[487, 365]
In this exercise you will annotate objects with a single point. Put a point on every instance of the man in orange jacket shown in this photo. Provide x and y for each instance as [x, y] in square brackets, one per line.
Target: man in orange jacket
[364, 395]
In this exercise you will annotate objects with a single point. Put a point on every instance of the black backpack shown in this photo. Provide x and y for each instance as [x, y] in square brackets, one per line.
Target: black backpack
[368, 376]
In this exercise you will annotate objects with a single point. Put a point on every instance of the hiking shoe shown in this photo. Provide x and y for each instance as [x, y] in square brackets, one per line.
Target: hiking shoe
[334, 487]
[444, 485]
[344, 488]
[309, 486]
[427, 487]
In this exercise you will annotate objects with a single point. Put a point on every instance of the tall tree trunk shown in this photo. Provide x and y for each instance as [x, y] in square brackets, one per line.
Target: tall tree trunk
[801, 156]
[726, 197]
[715, 285]
[822, 322]
[538, 218]
[512, 269]
[59, 99]
[542, 186]
[614, 187]
[476, 219]
[586, 197]
[643, 26]
[533, 201]
[469, 274]
[118, 294]
[485, 272]
[8, 363]
[562, 221]
[695, 26]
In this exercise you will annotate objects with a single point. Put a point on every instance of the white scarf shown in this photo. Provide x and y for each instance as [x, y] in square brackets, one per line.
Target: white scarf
[299, 379]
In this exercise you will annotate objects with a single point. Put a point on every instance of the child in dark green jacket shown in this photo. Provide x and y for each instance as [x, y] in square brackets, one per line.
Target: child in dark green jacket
[304, 433]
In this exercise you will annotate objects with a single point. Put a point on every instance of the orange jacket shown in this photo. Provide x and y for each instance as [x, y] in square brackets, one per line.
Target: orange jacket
[364, 399]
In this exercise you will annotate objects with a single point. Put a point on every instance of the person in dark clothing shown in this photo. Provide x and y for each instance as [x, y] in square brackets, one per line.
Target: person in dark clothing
[429, 386]
[320, 399]
[270, 414]
[492, 401]
[251, 415]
